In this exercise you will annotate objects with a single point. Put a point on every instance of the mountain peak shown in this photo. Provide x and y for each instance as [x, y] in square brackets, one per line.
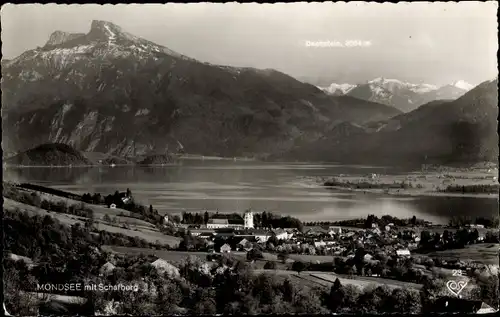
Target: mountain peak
[104, 26]
[60, 37]
[104, 30]
[462, 85]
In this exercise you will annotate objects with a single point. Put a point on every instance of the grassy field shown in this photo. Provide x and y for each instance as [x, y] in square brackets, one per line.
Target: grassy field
[326, 279]
[147, 234]
[486, 253]
[311, 258]
[171, 256]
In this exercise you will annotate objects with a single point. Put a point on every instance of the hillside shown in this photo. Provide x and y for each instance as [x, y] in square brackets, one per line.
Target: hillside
[109, 91]
[56, 154]
[463, 131]
[157, 159]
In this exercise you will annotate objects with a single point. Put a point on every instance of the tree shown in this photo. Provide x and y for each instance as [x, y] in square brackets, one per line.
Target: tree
[206, 217]
[288, 291]
[254, 254]
[89, 222]
[336, 298]
[489, 290]
[405, 300]
[414, 220]
[106, 218]
[425, 238]
[16, 302]
[270, 265]
[299, 266]
[205, 302]
[129, 193]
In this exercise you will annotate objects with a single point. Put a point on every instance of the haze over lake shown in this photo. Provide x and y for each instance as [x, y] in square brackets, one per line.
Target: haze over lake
[227, 186]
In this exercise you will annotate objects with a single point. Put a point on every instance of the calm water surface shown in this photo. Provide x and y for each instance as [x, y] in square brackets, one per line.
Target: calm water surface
[230, 186]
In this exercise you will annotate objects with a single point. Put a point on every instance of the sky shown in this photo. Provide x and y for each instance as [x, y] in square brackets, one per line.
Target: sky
[435, 43]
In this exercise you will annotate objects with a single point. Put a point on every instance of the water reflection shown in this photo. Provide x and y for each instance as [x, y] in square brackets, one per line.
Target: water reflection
[234, 186]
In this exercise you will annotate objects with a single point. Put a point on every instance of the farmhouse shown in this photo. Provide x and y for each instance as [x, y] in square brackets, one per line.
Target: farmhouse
[334, 230]
[403, 253]
[226, 248]
[112, 206]
[261, 235]
[280, 234]
[106, 269]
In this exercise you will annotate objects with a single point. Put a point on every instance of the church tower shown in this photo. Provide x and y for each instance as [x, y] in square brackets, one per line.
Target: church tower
[248, 220]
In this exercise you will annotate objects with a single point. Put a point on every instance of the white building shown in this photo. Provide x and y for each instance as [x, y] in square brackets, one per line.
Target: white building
[261, 235]
[165, 219]
[217, 223]
[248, 220]
[334, 230]
[280, 234]
[319, 244]
[112, 206]
[403, 252]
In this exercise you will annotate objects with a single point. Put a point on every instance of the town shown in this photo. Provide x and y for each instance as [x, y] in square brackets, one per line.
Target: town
[351, 255]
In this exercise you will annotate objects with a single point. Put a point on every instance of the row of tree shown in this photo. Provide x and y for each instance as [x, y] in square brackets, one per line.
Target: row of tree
[453, 240]
[372, 219]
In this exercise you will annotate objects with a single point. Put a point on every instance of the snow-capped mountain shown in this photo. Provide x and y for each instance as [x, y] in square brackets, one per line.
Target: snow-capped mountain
[401, 95]
[112, 92]
[463, 85]
[461, 131]
[337, 89]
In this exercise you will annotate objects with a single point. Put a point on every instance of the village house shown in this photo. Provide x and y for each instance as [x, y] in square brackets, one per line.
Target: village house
[226, 248]
[290, 233]
[112, 206]
[368, 257]
[334, 230]
[206, 235]
[261, 235]
[106, 269]
[377, 231]
[319, 244]
[403, 253]
[280, 234]
[217, 223]
[350, 234]
[200, 232]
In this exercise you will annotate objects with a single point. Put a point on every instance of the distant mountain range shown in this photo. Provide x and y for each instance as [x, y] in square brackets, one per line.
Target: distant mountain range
[441, 132]
[111, 92]
[401, 95]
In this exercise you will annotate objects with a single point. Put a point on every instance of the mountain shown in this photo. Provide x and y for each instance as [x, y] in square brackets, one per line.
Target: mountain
[338, 89]
[401, 95]
[461, 131]
[56, 154]
[111, 92]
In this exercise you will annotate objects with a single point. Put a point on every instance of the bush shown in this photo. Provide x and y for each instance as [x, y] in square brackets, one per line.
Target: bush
[270, 265]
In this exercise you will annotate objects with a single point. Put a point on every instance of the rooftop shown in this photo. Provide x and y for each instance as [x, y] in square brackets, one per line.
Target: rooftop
[218, 221]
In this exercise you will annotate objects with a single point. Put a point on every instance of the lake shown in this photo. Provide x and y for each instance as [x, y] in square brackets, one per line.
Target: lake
[234, 186]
